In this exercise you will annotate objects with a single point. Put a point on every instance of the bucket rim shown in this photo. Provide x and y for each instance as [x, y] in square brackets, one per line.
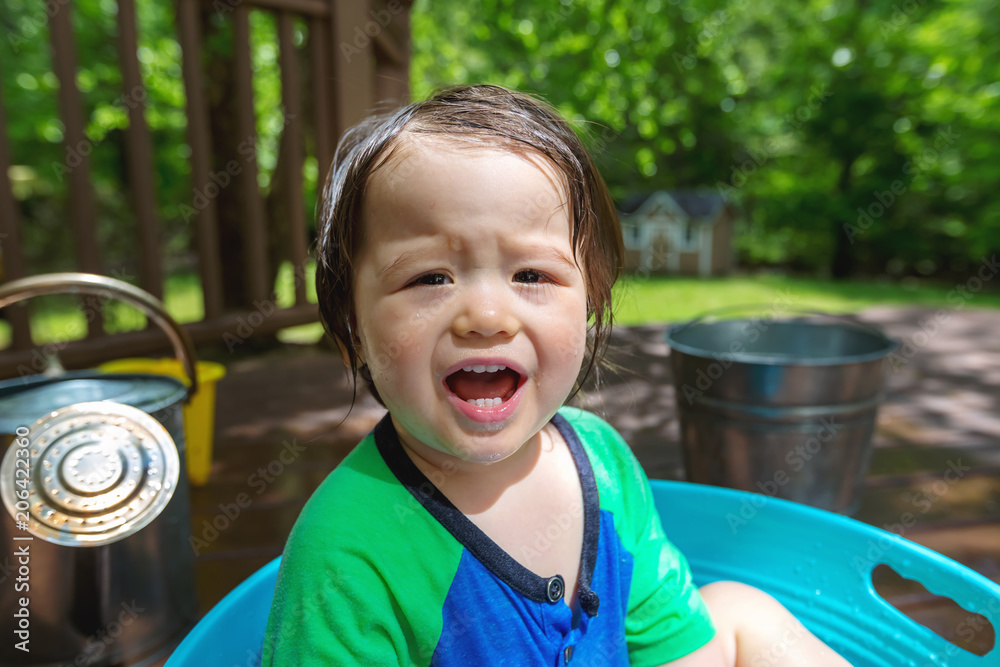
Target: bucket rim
[11, 386]
[890, 345]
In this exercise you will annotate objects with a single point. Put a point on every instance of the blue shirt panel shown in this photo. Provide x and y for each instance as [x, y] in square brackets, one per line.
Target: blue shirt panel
[486, 622]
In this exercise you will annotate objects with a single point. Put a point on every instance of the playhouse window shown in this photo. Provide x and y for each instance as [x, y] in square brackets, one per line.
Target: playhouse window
[689, 239]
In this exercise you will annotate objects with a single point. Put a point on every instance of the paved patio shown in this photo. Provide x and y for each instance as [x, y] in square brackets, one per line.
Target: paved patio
[283, 422]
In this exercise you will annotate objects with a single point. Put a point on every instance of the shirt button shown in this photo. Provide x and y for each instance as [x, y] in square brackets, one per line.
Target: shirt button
[568, 654]
[555, 588]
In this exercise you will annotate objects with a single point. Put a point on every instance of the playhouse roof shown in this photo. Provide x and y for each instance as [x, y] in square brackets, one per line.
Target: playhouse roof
[696, 205]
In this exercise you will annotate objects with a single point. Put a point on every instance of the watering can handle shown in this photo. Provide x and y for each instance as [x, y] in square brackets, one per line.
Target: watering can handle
[89, 283]
[711, 314]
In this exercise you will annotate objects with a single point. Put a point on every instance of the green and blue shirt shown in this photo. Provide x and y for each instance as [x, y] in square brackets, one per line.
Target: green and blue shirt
[381, 569]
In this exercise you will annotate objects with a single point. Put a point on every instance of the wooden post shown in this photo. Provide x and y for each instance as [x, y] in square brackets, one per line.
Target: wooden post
[78, 148]
[291, 96]
[139, 153]
[200, 141]
[353, 56]
[254, 233]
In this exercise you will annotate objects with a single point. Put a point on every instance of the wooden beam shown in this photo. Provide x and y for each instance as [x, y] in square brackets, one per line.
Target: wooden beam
[312, 8]
[230, 331]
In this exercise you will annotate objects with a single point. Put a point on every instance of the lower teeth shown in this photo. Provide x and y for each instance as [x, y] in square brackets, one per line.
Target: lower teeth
[484, 402]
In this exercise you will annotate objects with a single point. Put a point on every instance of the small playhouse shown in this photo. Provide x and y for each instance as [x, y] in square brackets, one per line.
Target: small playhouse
[678, 232]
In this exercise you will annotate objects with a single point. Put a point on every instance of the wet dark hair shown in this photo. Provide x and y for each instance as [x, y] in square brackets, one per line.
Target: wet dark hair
[485, 115]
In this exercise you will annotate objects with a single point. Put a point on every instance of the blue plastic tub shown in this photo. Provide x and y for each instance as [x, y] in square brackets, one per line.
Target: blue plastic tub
[819, 565]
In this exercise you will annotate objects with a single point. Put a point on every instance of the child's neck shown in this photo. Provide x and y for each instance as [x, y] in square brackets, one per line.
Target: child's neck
[475, 487]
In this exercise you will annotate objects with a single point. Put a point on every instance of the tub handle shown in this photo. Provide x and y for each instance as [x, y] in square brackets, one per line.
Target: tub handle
[103, 286]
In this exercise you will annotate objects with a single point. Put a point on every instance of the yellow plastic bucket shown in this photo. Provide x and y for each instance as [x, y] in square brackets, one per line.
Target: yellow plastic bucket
[199, 413]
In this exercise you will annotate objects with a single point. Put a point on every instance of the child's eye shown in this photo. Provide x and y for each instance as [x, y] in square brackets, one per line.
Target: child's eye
[431, 279]
[529, 276]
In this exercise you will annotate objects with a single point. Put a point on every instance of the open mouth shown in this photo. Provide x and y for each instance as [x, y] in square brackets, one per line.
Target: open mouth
[484, 386]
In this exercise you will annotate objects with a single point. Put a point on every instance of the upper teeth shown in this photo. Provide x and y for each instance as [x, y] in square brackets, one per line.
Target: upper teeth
[491, 368]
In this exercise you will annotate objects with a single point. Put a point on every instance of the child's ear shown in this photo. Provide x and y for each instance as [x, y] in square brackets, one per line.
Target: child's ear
[344, 351]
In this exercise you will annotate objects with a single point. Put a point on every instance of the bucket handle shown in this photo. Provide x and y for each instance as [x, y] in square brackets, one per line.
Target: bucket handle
[714, 312]
[103, 286]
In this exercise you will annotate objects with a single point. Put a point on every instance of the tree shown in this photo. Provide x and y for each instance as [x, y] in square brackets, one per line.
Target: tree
[856, 135]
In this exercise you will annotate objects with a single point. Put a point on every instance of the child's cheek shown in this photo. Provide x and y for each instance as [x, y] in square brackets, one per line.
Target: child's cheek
[572, 348]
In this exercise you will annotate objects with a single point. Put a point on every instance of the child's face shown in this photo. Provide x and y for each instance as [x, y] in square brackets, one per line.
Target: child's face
[466, 261]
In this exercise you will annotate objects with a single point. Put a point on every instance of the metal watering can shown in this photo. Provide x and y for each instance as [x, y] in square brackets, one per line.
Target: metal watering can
[93, 567]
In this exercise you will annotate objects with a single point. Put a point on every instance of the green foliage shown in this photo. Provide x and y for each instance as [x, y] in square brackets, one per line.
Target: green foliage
[610, 67]
[41, 164]
[859, 138]
[813, 116]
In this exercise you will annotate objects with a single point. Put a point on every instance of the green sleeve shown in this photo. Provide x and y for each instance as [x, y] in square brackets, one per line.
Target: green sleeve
[667, 619]
[351, 589]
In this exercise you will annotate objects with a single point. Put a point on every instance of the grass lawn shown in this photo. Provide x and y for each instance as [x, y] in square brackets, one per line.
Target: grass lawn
[637, 301]
[669, 299]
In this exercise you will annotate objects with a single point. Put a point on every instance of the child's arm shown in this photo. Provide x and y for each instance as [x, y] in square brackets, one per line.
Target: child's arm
[753, 630]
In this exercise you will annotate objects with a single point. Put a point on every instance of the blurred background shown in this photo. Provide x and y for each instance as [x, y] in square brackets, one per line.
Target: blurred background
[855, 142]
[841, 156]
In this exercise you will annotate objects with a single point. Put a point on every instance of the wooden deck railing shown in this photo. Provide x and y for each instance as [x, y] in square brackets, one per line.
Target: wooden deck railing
[348, 81]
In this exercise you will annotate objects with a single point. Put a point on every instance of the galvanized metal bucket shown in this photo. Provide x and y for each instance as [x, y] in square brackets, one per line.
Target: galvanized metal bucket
[783, 407]
[96, 505]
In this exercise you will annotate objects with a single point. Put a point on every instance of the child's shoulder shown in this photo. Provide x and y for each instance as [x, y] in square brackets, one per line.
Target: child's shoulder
[617, 472]
[343, 500]
[603, 444]
[360, 509]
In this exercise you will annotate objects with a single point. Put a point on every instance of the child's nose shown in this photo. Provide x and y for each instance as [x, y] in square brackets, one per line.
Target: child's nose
[485, 314]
